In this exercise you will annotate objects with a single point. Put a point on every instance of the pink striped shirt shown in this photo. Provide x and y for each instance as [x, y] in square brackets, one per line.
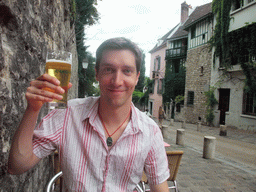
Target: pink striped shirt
[86, 162]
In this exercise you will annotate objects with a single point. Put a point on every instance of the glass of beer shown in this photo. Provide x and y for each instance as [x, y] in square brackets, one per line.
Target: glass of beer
[58, 64]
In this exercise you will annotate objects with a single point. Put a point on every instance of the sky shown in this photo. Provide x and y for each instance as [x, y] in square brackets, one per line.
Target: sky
[142, 21]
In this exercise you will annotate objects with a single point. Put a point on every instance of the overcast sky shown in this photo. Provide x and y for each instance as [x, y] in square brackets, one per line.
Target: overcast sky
[142, 21]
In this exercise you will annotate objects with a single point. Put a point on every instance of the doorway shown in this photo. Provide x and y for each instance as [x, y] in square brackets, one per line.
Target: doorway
[224, 96]
[151, 107]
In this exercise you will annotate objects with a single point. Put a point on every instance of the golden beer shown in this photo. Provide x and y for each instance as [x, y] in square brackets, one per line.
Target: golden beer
[62, 71]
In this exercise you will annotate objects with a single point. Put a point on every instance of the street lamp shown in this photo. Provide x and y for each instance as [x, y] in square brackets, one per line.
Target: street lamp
[85, 64]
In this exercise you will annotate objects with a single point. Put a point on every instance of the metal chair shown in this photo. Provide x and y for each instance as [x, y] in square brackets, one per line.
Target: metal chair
[174, 158]
[51, 184]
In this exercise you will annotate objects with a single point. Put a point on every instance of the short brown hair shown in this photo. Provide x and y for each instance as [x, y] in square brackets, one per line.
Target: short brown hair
[119, 43]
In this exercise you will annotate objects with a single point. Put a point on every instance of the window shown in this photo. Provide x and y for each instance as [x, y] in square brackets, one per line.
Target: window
[176, 65]
[157, 63]
[249, 104]
[190, 98]
[193, 32]
[237, 4]
[160, 86]
[151, 87]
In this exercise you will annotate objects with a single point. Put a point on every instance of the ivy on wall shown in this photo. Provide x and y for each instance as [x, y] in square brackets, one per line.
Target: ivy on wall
[211, 101]
[236, 47]
[174, 83]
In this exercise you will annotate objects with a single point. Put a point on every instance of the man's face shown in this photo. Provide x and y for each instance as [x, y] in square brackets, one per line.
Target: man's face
[117, 77]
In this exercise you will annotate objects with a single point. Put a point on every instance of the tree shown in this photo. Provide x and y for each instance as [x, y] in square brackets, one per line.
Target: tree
[141, 83]
[87, 78]
[85, 14]
[142, 97]
[139, 95]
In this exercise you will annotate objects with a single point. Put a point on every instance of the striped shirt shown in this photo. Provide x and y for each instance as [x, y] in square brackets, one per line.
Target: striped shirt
[87, 163]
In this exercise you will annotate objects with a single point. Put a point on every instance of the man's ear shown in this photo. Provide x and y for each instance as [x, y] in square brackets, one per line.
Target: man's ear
[138, 75]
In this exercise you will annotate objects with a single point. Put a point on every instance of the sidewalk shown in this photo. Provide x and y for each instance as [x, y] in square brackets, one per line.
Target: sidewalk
[197, 174]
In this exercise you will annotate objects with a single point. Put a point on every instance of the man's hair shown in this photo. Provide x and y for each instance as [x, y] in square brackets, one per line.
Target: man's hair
[119, 43]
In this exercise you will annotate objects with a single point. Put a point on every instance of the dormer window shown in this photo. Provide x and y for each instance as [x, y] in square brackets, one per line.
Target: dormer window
[160, 41]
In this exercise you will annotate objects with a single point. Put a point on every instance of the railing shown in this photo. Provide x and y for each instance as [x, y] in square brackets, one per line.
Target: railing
[155, 74]
[176, 52]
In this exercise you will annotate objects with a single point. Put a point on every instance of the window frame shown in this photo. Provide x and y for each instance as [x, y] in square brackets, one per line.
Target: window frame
[191, 98]
[249, 104]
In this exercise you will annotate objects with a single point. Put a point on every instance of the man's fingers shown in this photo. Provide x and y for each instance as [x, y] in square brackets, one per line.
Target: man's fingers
[69, 85]
[39, 84]
[35, 97]
[46, 77]
[42, 94]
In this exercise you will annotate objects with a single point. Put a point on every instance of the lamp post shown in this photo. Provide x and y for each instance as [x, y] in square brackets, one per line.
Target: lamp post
[83, 80]
[85, 64]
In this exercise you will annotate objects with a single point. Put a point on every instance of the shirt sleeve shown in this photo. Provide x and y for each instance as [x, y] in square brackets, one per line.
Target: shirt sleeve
[47, 134]
[156, 164]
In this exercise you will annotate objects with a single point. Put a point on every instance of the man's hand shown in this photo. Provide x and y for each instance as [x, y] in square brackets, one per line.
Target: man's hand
[162, 187]
[44, 89]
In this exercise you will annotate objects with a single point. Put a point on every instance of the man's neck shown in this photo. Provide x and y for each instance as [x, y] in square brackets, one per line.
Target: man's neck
[112, 115]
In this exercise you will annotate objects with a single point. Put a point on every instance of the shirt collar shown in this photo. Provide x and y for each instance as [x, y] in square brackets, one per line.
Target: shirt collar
[91, 112]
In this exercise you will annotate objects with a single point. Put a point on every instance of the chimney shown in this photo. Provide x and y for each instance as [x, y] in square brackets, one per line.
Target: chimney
[184, 12]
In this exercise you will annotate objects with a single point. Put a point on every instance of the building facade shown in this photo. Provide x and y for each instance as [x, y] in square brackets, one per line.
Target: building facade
[236, 107]
[168, 60]
[198, 63]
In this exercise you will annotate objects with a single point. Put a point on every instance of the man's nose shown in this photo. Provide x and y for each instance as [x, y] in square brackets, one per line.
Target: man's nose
[117, 78]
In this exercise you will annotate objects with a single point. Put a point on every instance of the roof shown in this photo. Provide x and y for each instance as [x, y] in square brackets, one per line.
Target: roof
[179, 33]
[163, 39]
[199, 13]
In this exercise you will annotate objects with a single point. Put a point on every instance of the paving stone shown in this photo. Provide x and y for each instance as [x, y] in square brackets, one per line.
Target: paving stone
[197, 174]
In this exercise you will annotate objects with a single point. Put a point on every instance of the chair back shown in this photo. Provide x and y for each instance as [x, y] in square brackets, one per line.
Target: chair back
[174, 158]
[51, 183]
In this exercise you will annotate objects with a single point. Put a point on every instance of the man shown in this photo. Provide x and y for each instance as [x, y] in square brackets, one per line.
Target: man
[104, 143]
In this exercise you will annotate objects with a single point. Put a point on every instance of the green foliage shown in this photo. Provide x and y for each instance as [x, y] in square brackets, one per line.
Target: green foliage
[211, 101]
[137, 96]
[141, 83]
[174, 83]
[140, 96]
[179, 99]
[87, 78]
[85, 14]
[209, 116]
[243, 42]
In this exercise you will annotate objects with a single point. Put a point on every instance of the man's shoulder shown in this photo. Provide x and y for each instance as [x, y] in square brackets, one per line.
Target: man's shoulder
[144, 119]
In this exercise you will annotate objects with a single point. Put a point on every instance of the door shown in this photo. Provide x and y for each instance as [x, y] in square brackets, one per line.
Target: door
[224, 96]
[151, 107]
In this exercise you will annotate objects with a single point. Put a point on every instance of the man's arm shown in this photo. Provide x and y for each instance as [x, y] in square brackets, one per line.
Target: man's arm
[162, 187]
[21, 157]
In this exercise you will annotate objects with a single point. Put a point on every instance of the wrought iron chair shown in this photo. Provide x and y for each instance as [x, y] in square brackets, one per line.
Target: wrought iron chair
[174, 159]
[51, 184]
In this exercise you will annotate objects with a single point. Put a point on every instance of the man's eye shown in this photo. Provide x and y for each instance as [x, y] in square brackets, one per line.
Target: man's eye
[127, 71]
[108, 69]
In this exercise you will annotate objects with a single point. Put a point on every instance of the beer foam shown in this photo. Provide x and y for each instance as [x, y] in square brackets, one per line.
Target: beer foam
[57, 61]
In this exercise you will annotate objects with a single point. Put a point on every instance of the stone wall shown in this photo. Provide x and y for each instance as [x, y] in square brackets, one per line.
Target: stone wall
[28, 29]
[198, 67]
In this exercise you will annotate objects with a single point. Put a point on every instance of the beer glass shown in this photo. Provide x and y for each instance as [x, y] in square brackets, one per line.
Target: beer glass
[58, 64]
